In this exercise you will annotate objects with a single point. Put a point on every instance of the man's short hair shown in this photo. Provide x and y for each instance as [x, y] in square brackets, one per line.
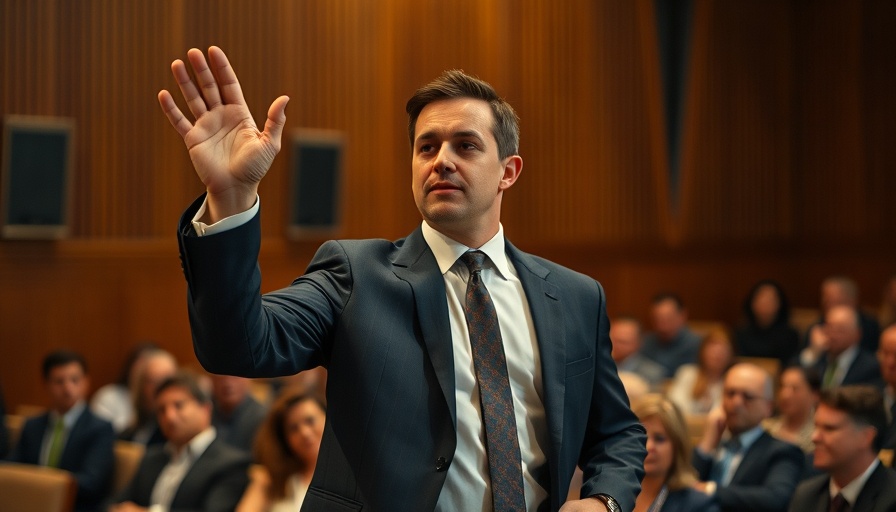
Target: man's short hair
[863, 404]
[664, 296]
[59, 358]
[457, 84]
[846, 284]
[188, 382]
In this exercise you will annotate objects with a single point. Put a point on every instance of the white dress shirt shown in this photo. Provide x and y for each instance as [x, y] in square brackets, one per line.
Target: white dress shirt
[852, 490]
[467, 484]
[175, 471]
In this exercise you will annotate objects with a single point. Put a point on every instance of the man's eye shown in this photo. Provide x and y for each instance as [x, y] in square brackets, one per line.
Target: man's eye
[468, 145]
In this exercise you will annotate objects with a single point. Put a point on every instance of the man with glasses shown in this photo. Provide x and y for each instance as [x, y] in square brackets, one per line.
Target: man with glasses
[739, 463]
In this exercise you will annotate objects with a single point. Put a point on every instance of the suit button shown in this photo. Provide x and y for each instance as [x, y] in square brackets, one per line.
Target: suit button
[441, 464]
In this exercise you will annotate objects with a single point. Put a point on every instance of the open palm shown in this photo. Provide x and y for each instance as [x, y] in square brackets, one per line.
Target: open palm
[229, 153]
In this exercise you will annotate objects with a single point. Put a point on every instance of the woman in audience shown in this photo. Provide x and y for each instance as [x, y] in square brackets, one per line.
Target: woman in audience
[286, 450]
[668, 474]
[113, 401]
[697, 388]
[767, 331]
[797, 398]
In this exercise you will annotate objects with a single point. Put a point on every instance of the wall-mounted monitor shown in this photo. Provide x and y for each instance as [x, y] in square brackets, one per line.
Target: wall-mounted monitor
[36, 177]
[315, 183]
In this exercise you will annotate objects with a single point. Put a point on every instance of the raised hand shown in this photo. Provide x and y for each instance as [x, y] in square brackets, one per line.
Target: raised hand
[229, 153]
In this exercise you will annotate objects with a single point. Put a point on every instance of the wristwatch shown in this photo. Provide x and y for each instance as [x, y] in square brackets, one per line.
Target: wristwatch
[610, 503]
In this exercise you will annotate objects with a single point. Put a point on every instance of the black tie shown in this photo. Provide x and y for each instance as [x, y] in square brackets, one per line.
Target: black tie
[501, 441]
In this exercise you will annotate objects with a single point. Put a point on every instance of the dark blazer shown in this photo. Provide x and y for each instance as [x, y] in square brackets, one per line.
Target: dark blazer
[215, 482]
[375, 314]
[88, 454]
[878, 495]
[865, 369]
[689, 500]
[765, 479]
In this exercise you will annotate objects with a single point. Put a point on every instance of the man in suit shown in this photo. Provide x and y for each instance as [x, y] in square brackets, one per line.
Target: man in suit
[843, 291]
[837, 354]
[750, 470]
[886, 355]
[391, 322]
[671, 344]
[69, 436]
[236, 414]
[195, 470]
[625, 334]
[848, 423]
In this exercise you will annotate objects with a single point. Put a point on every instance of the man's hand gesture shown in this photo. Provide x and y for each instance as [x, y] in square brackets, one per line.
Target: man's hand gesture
[229, 153]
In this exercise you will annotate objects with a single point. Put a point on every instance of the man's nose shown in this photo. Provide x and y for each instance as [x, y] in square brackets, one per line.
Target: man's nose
[444, 160]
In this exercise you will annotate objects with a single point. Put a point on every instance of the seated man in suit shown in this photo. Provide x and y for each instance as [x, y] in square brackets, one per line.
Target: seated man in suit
[194, 470]
[836, 351]
[671, 344]
[751, 470]
[69, 436]
[155, 366]
[886, 355]
[848, 424]
[236, 414]
[625, 335]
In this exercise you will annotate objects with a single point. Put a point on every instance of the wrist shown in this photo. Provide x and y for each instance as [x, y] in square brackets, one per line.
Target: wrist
[235, 200]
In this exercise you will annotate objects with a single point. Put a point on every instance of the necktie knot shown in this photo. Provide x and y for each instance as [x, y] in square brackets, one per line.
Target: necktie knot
[474, 260]
[839, 504]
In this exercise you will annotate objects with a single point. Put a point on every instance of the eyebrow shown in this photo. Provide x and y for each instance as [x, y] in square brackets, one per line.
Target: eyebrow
[456, 135]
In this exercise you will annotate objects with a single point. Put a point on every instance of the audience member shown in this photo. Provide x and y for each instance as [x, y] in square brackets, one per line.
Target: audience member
[843, 291]
[286, 451]
[671, 344]
[194, 470]
[797, 398]
[750, 470]
[113, 402]
[887, 313]
[236, 414]
[69, 436]
[848, 423]
[767, 331]
[625, 336]
[635, 385]
[697, 388]
[836, 353]
[668, 474]
[4, 432]
[886, 354]
[157, 366]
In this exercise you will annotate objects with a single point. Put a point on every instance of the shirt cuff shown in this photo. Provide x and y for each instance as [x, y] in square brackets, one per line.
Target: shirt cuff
[157, 508]
[227, 223]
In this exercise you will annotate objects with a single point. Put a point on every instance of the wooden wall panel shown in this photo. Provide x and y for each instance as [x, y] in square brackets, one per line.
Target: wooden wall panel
[788, 170]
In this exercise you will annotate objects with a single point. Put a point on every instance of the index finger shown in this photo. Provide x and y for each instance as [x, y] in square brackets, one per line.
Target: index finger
[227, 81]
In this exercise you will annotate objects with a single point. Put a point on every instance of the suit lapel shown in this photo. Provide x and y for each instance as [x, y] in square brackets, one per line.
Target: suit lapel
[545, 307]
[415, 264]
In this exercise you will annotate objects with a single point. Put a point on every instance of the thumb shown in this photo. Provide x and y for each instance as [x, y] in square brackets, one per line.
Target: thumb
[273, 127]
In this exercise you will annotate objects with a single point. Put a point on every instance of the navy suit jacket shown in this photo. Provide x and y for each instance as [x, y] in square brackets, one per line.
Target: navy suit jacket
[765, 479]
[375, 313]
[215, 482]
[88, 454]
[865, 369]
[878, 494]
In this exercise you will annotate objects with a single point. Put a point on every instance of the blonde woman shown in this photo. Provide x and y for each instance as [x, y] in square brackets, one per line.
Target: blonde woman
[668, 474]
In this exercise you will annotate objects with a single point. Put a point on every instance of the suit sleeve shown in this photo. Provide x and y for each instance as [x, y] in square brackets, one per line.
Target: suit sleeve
[774, 491]
[613, 451]
[95, 471]
[237, 331]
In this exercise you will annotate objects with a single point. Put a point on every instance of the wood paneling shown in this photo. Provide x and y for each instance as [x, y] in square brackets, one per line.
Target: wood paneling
[787, 165]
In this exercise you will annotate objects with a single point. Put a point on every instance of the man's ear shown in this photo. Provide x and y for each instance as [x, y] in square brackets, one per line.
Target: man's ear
[513, 166]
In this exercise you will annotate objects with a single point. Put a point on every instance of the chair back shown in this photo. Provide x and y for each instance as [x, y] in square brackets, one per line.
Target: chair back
[127, 459]
[30, 488]
[14, 424]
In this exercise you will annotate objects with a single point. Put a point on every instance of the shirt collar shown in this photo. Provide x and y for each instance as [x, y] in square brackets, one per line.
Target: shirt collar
[845, 359]
[447, 251]
[746, 439]
[70, 417]
[196, 446]
[851, 490]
